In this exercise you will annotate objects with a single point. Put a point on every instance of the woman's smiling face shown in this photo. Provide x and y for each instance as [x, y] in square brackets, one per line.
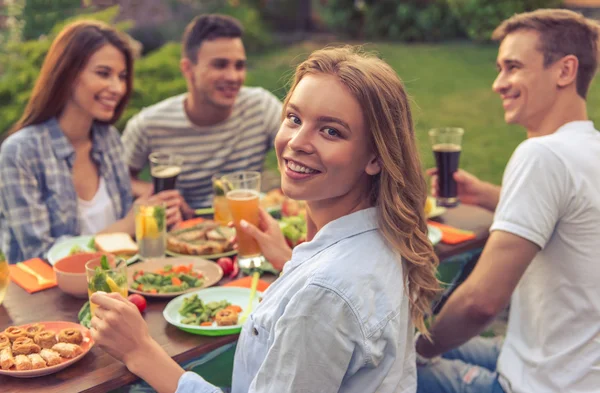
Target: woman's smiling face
[323, 147]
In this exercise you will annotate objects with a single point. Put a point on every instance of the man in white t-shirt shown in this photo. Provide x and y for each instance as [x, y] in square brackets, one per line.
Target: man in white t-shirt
[542, 254]
[218, 126]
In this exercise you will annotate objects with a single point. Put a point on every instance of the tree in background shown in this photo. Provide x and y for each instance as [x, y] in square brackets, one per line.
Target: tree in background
[39, 16]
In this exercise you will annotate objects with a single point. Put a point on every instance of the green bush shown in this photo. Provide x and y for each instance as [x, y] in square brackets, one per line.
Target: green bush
[404, 20]
[479, 18]
[415, 20]
[341, 17]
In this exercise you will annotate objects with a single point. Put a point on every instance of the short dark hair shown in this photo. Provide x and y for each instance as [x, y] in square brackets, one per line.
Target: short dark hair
[562, 33]
[208, 27]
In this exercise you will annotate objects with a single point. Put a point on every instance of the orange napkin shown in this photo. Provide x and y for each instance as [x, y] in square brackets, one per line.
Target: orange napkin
[246, 282]
[451, 235]
[29, 282]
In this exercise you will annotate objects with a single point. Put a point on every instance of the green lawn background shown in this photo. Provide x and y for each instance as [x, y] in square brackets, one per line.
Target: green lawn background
[450, 85]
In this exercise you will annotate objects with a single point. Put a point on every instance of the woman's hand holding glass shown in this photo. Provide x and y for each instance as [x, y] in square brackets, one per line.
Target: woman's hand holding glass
[270, 239]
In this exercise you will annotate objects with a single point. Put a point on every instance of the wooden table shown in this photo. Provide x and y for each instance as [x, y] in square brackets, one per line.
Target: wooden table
[98, 372]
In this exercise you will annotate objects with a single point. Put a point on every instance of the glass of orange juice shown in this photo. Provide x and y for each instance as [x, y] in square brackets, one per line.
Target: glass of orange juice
[106, 274]
[4, 276]
[243, 195]
[220, 205]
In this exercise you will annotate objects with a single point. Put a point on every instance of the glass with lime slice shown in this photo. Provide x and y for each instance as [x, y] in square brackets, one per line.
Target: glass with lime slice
[151, 229]
[106, 274]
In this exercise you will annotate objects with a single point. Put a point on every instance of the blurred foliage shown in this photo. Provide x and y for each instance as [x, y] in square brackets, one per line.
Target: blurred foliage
[422, 20]
[39, 16]
[341, 16]
[257, 35]
[479, 18]
[415, 20]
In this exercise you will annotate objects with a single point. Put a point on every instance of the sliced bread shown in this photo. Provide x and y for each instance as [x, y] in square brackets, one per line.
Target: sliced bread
[118, 243]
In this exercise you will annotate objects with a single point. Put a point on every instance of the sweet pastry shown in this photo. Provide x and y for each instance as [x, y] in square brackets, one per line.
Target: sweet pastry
[72, 336]
[67, 350]
[4, 341]
[15, 332]
[22, 363]
[32, 330]
[37, 361]
[45, 339]
[6, 358]
[51, 357]
[25, 346]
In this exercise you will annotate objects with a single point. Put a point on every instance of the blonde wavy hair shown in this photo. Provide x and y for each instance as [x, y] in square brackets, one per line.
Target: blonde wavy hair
[399, 191]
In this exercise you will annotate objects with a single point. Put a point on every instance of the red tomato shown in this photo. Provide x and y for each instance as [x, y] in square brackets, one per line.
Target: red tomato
[226, 264]
[138, 300]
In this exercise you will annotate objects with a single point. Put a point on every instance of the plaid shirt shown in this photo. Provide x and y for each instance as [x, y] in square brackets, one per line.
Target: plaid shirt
[38, 202]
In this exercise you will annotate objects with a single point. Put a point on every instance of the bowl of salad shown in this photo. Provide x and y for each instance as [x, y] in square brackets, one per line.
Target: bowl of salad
[171, 277]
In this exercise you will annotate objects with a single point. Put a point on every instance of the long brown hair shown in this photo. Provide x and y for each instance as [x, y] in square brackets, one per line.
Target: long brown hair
[399, 191]
[67, 57]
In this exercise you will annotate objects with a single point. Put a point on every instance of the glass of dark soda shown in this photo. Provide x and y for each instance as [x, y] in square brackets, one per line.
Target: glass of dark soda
[446, 144]
[165, 168]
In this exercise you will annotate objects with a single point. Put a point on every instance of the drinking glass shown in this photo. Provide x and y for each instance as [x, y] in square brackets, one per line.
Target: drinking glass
[165, 168]
[242, 190]
[113, 279]
[4, 277]
[447, 145]
[151, 229]
[220, 204]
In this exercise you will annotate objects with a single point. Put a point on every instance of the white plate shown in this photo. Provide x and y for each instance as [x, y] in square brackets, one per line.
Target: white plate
[434, 234]
[234, 295]
[63, 248]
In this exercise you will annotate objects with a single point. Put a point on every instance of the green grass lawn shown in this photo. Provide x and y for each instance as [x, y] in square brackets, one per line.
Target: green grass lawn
[450, 85]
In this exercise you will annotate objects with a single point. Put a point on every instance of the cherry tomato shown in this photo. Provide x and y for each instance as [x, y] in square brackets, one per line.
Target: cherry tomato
[138, 300]
[226, 264]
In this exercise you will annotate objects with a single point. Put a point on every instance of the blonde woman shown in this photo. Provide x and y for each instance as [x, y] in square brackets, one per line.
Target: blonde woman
[341, 317]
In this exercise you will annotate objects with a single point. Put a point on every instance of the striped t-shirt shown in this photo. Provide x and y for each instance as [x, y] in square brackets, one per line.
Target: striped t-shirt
[238, 143]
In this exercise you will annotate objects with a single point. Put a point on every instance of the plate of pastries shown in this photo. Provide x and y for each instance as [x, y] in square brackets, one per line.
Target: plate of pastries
[42, 348]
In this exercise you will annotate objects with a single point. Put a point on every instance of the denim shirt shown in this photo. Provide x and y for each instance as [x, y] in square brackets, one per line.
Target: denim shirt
[38, 201]
[337, 320]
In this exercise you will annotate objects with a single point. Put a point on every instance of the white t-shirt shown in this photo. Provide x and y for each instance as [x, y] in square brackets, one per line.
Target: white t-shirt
[96, 214]
[551, 197]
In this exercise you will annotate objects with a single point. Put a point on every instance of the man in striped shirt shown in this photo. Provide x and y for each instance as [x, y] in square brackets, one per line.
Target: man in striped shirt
[218, 125]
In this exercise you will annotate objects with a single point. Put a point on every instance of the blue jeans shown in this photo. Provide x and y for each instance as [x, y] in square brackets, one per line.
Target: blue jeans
[470, 368]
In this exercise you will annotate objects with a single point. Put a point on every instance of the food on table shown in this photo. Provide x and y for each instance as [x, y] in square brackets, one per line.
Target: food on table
[24, 346]
[273, 198]
[197, 312]
[429, 206]
[23, 363]
[51, 357]
[169, 279]
[34, 329]
[41, 351]
[226, 317]
[291, 207]
[139, 301]
[6, 358]
[67, 350]
[14, 332]
[70, 335]
[294, 230]
[204, 238]
[118, 243]
[4, 341]
[226, 265]
[36, 361]
[45, 339]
